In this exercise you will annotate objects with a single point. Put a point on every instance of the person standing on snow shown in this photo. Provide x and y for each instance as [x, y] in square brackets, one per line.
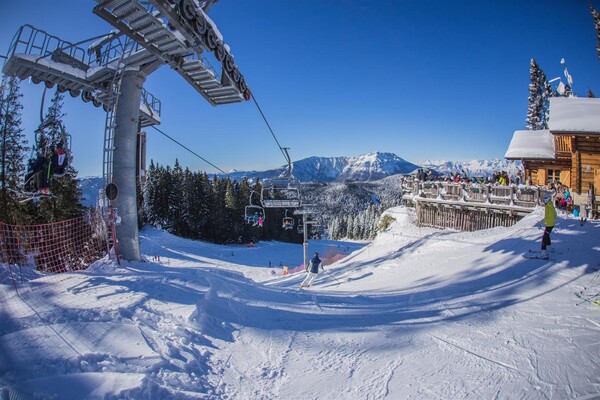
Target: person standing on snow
[549, 221]
[312, 270]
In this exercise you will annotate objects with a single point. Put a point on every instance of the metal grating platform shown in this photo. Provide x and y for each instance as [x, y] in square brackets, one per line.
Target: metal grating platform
[45, 58]
[170, 38]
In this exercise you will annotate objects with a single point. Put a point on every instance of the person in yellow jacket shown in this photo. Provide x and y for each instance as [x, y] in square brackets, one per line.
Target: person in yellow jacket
[549, 222]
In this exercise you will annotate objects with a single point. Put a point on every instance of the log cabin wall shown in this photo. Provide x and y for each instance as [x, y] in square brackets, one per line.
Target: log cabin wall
[538, 170]
[586, 162]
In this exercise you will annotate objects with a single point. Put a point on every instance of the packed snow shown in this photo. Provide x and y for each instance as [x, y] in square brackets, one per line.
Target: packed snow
[574, 114]
[531, 145]
[418, 313]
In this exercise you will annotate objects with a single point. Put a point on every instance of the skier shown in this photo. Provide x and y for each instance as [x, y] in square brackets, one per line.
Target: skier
[549, 221]
[312, 269]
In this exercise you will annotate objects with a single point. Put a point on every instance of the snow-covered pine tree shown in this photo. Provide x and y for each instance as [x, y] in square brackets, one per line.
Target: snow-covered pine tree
[590, 94]
[596, 17]
[546, 94]
[539, 98]
[359, 225]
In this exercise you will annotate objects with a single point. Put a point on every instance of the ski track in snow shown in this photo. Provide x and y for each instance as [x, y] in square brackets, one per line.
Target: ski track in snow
[421, 314]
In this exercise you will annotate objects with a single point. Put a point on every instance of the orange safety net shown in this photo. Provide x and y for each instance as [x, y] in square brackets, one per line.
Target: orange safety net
[69, 245]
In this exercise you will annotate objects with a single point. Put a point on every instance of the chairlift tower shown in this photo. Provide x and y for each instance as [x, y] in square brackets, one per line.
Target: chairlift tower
[111, 73]
[307, 212]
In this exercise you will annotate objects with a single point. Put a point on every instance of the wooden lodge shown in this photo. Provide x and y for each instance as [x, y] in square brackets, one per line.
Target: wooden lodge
[568, 151]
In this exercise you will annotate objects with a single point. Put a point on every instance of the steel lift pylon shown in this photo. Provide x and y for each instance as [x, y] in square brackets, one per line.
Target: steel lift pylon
[111, 73]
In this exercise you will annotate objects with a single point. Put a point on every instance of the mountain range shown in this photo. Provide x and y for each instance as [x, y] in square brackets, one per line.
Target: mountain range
[363, 168]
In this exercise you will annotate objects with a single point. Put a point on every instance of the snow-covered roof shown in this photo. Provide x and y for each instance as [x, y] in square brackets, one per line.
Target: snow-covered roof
[574, 114]
[536, 145]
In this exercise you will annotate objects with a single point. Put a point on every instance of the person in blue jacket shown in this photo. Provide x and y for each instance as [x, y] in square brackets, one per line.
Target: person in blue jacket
[312, 269]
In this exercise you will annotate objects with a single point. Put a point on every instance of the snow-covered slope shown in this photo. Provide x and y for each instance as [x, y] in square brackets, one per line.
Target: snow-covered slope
[418, 313]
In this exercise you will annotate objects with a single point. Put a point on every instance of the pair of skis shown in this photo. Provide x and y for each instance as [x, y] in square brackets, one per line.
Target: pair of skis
[537, 255]
[593, 299]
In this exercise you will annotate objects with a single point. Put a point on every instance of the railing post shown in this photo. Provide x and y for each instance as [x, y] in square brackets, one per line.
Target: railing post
[488, 193]
[418, 188]
[512, 194]
[463, 192]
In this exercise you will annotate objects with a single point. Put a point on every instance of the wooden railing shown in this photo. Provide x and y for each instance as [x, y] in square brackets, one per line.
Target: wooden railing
[519, 196]
[562, 144]
[470, 207]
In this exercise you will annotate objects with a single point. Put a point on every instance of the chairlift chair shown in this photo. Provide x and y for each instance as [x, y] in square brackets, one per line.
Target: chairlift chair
[280, 193]
[253, 212]
[288, 222]
[50, 156]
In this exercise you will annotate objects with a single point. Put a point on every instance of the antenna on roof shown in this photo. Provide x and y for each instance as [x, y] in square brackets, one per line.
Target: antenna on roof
[565, 90]
[569, 78]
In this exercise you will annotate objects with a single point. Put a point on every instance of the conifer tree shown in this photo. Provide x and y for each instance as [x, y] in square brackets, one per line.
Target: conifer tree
[590, 94]
[162, 198]
[596, 17]
[218, 212]
[13, 144]
[12, 147]
[177, 211]
[203, 204]
[149, 193]
[233, 218]
[540, 92]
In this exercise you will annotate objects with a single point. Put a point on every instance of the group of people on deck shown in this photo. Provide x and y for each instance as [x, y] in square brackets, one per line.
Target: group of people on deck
[562, 196]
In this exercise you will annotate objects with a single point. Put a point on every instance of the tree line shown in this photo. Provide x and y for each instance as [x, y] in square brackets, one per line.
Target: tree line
[197, 206]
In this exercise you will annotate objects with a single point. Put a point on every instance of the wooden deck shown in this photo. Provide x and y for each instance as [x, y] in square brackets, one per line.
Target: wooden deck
[470, 207]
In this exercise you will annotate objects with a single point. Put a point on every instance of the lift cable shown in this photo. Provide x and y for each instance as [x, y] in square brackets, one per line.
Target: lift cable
[191, 151]
[282, 149]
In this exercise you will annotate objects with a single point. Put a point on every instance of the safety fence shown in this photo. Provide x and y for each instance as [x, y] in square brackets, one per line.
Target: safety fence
[31, 251]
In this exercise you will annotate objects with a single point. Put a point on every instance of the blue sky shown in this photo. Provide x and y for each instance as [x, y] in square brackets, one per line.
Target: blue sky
[426, 79]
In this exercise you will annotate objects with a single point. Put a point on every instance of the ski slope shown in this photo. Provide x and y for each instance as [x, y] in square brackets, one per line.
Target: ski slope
[418, 313]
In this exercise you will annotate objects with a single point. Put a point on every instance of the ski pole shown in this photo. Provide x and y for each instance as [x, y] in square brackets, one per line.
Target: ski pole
[332, 276]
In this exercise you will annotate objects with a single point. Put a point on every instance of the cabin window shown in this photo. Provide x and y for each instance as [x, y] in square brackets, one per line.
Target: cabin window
[553, 175]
